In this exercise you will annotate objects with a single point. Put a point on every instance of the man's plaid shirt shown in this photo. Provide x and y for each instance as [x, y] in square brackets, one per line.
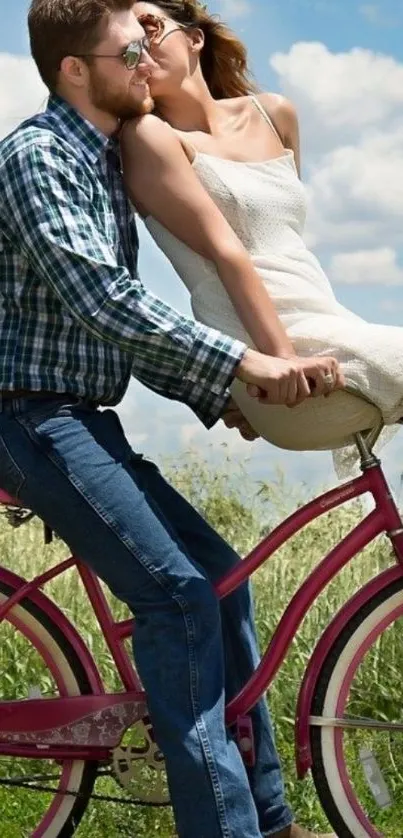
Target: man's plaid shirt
[74, 315]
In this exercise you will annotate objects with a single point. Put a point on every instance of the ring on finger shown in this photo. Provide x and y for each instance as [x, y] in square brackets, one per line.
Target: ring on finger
[328, 379]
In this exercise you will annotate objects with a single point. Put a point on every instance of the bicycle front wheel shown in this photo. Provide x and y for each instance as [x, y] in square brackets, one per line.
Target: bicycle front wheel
[37, 660]
[357, 722]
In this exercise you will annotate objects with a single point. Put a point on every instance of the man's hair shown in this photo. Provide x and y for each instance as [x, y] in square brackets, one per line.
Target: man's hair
[58, 28]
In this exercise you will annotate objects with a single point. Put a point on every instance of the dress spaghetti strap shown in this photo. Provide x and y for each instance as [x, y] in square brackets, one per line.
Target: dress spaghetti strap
[266, 117]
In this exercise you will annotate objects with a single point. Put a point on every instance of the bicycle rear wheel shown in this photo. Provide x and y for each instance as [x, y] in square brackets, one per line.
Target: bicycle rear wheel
[357, 724]
[36, 659]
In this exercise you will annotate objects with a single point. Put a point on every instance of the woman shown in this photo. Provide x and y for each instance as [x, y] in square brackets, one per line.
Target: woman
[214, 172]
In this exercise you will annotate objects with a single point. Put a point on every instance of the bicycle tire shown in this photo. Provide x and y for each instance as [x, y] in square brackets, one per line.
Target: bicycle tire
[69, 813]
[347, 817]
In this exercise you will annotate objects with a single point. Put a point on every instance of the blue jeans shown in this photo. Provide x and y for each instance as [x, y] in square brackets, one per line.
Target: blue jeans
[72, 465]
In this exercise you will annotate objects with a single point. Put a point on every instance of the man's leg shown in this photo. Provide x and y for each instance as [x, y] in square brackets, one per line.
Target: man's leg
[212, 553]
[75, 469]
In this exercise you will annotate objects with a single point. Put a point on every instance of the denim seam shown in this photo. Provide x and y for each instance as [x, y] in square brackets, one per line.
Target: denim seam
[201, 729]
[184, 607]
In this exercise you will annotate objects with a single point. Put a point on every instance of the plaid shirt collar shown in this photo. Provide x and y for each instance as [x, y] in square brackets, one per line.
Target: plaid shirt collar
[79, 130]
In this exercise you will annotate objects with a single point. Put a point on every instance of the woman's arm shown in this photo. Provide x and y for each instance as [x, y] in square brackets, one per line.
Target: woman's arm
[161, 182]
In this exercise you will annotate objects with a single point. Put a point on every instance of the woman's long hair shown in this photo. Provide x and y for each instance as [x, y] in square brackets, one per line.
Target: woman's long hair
[223, 58]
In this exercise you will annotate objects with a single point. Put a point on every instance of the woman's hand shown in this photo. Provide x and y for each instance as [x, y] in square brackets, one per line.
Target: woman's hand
[288, 381]
[324, 375]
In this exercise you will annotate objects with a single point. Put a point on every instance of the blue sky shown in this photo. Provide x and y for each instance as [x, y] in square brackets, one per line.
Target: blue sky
[342, 64]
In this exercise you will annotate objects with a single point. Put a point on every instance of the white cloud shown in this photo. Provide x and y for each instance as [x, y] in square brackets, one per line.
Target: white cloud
[346, 91]
[367, 267]
[355, 193]
[21, 91]
[351, 113]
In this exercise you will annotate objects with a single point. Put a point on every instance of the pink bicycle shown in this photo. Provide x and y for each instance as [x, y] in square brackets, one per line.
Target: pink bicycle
[55, 742]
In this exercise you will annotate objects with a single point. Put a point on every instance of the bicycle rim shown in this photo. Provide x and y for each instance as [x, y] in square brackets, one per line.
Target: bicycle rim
[37, 660]
[358, 766]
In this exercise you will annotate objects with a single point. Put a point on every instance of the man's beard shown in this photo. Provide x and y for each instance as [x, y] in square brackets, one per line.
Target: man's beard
[114, 102]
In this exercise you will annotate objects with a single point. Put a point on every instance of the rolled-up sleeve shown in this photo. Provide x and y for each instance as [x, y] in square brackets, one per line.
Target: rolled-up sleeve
[62, 232]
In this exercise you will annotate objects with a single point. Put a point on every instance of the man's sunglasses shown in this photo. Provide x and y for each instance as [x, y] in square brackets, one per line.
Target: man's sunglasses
[130, 57]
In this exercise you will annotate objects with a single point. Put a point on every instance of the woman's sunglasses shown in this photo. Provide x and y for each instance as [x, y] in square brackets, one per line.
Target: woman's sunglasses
[155, 26]
[130, 57]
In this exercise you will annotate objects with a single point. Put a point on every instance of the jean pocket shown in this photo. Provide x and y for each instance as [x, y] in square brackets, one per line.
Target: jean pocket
[12, 477]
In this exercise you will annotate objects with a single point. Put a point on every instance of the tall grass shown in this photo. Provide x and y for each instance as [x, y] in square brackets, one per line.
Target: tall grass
[242, 512]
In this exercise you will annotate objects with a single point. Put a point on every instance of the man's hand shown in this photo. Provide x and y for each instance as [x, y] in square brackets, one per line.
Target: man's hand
[234, 418]
[288, 381]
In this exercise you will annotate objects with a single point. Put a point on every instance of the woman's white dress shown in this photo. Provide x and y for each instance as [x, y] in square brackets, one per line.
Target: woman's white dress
[265, 205]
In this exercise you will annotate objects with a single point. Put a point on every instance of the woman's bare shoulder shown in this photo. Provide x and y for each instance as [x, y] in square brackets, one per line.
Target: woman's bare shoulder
[147, 129]
[281, 110]
[149, 135]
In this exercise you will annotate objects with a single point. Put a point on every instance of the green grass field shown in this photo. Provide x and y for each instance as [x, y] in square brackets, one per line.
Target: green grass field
[242, 515]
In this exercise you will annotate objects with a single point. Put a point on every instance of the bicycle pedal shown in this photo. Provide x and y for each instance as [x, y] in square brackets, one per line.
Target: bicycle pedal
[246, 740]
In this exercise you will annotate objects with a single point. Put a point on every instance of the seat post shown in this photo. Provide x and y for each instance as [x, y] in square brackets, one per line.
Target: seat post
[365, 442]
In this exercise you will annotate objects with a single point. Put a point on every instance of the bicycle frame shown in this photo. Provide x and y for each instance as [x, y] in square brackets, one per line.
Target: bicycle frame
[384, 518]
[70, 712]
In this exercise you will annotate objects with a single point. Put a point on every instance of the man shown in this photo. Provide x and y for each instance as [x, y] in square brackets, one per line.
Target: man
[76, 322]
